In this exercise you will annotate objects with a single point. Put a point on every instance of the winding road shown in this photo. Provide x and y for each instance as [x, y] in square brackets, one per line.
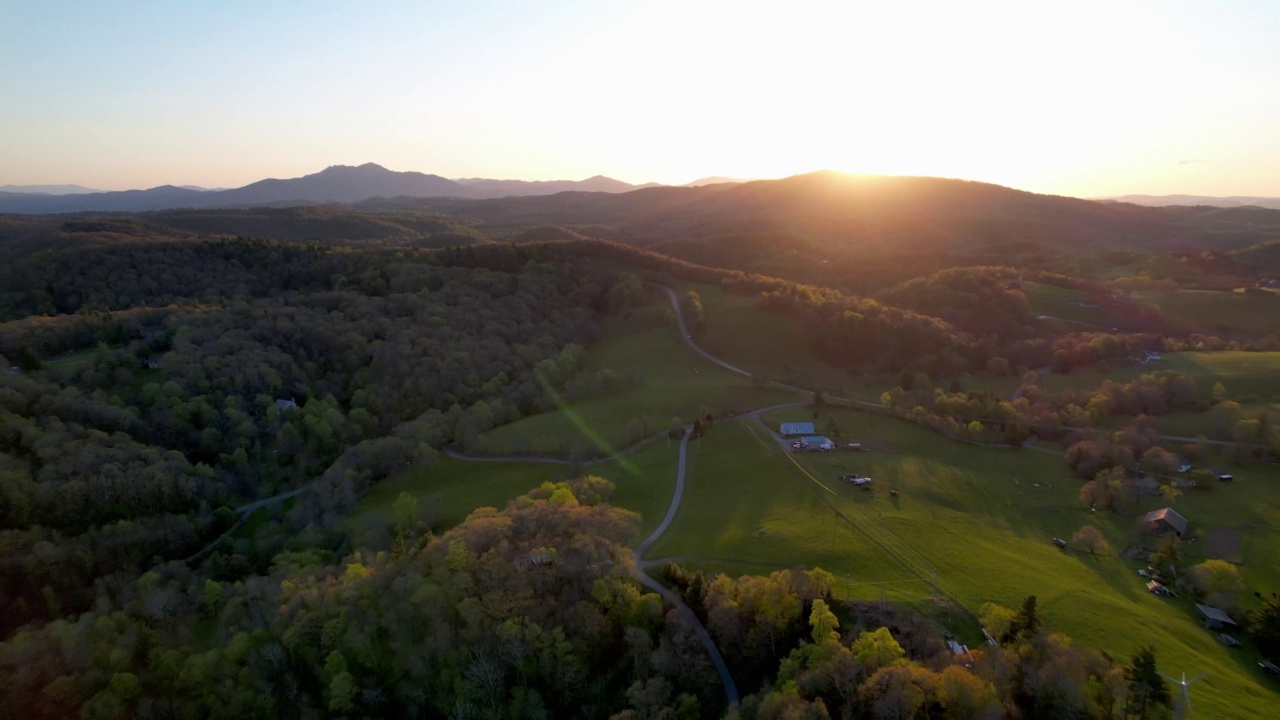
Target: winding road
[726, 678]
[730, 687]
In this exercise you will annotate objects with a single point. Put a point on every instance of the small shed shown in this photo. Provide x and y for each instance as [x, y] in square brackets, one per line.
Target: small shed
[817, 442]
[1213, 618]
[1164, 520]
[1224, 477]
[792, 429]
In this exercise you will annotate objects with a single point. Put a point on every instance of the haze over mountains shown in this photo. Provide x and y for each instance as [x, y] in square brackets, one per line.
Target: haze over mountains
[338, 183]
[47, 189]
[1272, 203]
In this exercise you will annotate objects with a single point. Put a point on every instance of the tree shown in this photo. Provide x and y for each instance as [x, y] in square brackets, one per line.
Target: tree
[1025, 624]
[1216, 577]
[1167, 559]
[823, 622]
[877, 649]
[1159, 461]
[1090, 538]
[997, 619]
[406, 512]
[963, 694]
[1147, 690]
[974, 430]
[1265, 628]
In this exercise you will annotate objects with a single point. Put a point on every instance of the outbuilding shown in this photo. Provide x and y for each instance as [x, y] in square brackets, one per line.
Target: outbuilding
[1224, 477]
[817, 442]
[1214, 618]
[794, 429]
[1164, 521]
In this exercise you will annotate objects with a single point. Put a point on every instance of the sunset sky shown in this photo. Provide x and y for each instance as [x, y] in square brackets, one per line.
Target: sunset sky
[1081, 98]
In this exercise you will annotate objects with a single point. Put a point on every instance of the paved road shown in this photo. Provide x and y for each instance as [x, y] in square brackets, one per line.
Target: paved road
[730, 687]
[675, 499]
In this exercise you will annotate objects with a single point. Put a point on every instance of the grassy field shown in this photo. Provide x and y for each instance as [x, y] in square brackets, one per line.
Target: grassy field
[746, 510]
[451, 489]
[983, 519]
[677, 383]
[1247, 376]
[1069, 305]
[1218, 311]
[973, 523]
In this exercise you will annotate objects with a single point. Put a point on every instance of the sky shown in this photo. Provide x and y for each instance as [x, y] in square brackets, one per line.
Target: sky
[1076, 98]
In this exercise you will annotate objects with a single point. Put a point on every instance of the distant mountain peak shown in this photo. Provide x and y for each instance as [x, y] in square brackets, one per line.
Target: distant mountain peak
[367, 167]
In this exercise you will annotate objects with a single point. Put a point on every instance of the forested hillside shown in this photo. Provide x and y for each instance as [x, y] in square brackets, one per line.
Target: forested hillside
[181, 377]
[162, 381]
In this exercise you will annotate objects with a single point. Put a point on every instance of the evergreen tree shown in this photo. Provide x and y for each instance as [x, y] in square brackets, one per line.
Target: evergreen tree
[1147, 690]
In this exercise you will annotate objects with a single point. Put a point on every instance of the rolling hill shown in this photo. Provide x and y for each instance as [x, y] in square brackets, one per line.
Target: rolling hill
[865, 215]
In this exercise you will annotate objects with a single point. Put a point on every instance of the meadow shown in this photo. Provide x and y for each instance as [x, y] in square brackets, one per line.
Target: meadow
[1076, 309]
[775, 345]
[449, 490]
[968, 523]
[984, 520]
[1222, 312]
[1249, 378]
[677, 383]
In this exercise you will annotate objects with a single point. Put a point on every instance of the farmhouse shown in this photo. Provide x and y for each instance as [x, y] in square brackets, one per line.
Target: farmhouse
[1213, 618]
[817, 442]
[1164, 520]
[793, 429]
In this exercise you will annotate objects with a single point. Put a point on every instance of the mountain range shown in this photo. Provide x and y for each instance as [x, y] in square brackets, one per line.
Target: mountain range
[1272, 203]
[338, 183]
[825, 219]
[47, 189]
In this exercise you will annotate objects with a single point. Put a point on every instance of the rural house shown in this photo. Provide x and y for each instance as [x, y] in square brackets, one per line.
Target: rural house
[793, 429]
[1213, 618]
[1164, 520]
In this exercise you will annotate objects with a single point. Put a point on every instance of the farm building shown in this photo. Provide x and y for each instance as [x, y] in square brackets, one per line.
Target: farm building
[1213, 618]
[1226, 478]
[1164, 520]
[793, 429]
[817, 442]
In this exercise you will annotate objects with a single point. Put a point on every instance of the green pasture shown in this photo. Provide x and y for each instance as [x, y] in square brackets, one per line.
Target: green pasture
[747, 510]
[449, 490]
[1218, 311]
[1069, 305]
[678, 383]
[989, 538]
[1246, 376]
[773, 344]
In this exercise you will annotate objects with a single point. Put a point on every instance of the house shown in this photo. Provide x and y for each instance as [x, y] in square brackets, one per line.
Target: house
[1164, 520]
[1213, 618]
[1184, 465]
[283, 404]
[793, 429]
[817, 442]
